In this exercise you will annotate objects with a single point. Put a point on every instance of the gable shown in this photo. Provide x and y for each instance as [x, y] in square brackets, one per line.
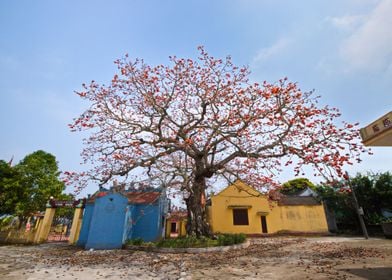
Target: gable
[239, 189]
[110, 196]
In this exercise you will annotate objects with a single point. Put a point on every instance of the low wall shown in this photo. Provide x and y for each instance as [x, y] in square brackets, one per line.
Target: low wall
[17, 236]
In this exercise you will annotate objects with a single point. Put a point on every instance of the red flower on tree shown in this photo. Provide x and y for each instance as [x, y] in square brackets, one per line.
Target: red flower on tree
[183, 125]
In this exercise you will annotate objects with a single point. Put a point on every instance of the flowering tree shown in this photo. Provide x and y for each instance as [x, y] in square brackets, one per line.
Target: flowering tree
[186, 124]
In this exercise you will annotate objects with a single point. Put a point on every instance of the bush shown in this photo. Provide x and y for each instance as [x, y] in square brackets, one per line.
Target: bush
[5, 222]
[193, 241]
[136, 241]
[188, 242]
[231, 239]
[181, 242]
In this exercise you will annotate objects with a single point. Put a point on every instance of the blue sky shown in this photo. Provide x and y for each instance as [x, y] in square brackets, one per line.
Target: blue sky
[342, 49]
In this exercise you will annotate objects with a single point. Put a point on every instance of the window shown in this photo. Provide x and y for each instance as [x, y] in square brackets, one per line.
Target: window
[240, 217]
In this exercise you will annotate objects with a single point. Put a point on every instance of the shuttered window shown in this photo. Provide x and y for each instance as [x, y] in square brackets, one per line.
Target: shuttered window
[240, 217]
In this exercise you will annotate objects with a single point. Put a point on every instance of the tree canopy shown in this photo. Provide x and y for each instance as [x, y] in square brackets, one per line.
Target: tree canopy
[27, 186]
[296, 185]
[373, 192]
[187, 124]
[10, 189]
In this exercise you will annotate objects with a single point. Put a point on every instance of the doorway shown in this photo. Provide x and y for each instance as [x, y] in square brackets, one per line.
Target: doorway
[173, 229]
[264, 228]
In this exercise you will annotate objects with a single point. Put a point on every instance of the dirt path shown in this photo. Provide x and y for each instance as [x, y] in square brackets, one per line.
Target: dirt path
[266, 258]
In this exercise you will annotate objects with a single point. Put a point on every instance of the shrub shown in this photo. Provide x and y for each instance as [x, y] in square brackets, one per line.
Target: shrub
[239, 238]
[231, 239]
[187, 242]
[194, 242]
[137, 241]
[6, 221]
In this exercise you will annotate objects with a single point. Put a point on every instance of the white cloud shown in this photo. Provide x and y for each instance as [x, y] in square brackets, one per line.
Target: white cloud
[265, 54]
[369, 47]
[347, 22]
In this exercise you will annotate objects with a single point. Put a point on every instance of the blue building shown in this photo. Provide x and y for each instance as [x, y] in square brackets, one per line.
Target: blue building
[113, 216]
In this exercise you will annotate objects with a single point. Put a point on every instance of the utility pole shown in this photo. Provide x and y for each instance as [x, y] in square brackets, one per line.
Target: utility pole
[357, 208]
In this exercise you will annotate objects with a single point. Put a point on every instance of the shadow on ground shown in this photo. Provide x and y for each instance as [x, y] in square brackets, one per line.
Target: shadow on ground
[375, 273]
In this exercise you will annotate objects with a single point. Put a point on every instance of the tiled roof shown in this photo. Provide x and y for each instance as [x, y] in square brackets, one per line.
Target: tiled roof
[178, 215]
[134, 197]
[142, 197]
[92, 198]
[298, 200]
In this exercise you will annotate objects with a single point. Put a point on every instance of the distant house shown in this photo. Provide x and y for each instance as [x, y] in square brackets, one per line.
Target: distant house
[113, 216]
[240, 208]
[176, 224]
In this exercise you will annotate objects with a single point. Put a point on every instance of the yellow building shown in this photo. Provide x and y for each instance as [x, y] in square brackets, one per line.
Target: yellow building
[379, 132]
[176, 224]
[241, 209]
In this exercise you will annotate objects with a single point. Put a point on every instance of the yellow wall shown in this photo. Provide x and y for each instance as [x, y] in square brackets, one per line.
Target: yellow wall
[279, 218]
[303, 218]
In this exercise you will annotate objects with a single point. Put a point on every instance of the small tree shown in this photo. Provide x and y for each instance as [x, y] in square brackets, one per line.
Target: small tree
[184, 125]
[296, 185]
[10, 189]
[374, 194]
[373, 191]
[30, 183]
[39, 176]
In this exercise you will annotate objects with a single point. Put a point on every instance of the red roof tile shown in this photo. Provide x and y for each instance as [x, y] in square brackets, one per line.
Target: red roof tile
[142, 197]
[134, 197]
[92, 198]
[178, 215]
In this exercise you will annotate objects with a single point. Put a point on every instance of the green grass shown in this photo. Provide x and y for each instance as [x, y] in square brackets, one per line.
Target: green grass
[202, 242]
[192, 241]
[136, 241]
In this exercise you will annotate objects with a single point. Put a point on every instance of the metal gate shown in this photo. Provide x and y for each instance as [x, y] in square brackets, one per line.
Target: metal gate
[60, 229]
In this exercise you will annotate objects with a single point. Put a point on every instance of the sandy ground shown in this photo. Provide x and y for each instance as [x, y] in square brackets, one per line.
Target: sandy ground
[266, 258]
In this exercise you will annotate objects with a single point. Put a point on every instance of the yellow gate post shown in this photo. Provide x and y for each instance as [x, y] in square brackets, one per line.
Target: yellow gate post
[76, 223]
[44, 227]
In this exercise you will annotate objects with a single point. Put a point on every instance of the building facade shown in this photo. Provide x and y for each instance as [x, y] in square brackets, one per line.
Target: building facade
[176, 224]
[240, 208]
[111, 217]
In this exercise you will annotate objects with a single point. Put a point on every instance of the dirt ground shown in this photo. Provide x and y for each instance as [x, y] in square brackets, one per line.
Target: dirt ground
[265, 258]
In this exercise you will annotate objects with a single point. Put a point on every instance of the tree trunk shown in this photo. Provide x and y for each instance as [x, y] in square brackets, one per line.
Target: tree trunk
[197, 224]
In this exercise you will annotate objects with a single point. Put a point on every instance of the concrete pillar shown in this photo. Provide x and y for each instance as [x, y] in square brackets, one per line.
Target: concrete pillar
[44, 228]
[38, 223]
[76, 224]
